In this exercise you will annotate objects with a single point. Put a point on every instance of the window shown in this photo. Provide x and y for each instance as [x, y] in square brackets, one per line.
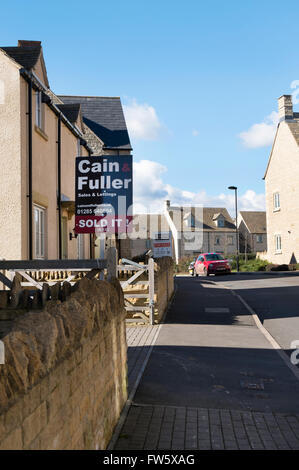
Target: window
[39, 230]
[38, 110]
[278, 243]
[220, 223]
[276, 201]
[78, 147]
[213, 257]
[259, 238]
[217, 240]
[80, 246]
[230, 240]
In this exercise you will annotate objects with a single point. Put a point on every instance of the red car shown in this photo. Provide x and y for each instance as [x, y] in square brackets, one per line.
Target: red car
[211, 263]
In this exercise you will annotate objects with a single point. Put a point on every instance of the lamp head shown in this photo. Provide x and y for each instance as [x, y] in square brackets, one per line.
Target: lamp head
[232, 187]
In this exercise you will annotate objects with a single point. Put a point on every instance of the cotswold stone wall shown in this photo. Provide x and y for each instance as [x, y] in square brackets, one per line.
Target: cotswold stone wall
[164, 285]
[64, 381]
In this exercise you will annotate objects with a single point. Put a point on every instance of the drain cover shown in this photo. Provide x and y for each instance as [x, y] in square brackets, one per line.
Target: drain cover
[252, 385]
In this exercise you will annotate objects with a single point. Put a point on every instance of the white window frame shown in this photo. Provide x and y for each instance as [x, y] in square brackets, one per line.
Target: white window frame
[278, 243]
[78, 147]
[39, 121]
[276, 201]
[220, 223]
[39, 232]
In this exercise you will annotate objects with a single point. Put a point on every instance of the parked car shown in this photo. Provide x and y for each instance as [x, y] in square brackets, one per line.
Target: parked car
[191, 268]
[211, 263]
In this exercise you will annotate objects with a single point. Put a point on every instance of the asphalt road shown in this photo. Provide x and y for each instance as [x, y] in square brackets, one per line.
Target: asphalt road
[210, 354]
[274, 298]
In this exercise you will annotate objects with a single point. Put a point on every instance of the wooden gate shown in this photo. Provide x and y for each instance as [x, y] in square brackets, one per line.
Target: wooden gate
[144, 312]
[37, 272]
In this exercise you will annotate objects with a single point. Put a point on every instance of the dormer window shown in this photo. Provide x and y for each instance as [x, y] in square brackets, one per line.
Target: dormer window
[219, 220]
[190, 221]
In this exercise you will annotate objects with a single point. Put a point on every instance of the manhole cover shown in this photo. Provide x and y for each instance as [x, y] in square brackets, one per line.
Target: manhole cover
[252, 385]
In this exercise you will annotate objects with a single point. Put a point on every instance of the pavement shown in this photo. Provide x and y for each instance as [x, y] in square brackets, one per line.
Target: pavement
[207, 378]
[274, 298]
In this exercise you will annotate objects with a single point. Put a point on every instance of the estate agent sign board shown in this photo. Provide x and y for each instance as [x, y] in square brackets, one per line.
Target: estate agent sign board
[103, 194]
[162, 245]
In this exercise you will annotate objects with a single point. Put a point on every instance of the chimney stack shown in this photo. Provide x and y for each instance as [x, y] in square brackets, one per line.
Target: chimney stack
[24, 43]
[285, 107]
[167, 205]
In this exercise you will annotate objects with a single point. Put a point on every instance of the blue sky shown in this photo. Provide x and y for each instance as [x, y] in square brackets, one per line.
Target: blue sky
[193, 76]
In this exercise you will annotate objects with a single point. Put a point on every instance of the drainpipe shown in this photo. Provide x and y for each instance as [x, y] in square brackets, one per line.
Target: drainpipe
[59, 186]
[29, 195]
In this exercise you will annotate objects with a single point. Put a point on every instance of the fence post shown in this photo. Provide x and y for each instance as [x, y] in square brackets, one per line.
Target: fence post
[151, 278]
[111, 255]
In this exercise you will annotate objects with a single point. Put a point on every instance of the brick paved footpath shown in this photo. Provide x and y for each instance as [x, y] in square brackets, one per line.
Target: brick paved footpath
[169, 427]
[151, 427]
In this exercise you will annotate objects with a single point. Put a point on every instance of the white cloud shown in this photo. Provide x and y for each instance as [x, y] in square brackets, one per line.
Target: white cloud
[195, 132]
[261, 134]
[142, 121]
[150, 192]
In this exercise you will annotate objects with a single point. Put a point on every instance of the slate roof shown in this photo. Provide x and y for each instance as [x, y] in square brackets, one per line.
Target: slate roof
[208, 218]
[26, 55]
[71, 111]
[105, 117]
[255, 221]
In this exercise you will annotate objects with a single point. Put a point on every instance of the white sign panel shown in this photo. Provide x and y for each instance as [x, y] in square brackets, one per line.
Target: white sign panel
[162, 245]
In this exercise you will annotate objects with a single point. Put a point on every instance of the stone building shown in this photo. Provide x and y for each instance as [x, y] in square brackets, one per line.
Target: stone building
[252, 231]
[200, 229]
[147, 228]
[282, 189]
[40, 136]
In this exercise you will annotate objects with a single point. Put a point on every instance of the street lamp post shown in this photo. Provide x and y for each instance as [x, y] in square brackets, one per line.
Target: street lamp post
[234, 188]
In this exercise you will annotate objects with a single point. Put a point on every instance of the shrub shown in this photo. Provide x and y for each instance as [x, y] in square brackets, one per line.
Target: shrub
[183, 264]
[252, 264]
[277, 267]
